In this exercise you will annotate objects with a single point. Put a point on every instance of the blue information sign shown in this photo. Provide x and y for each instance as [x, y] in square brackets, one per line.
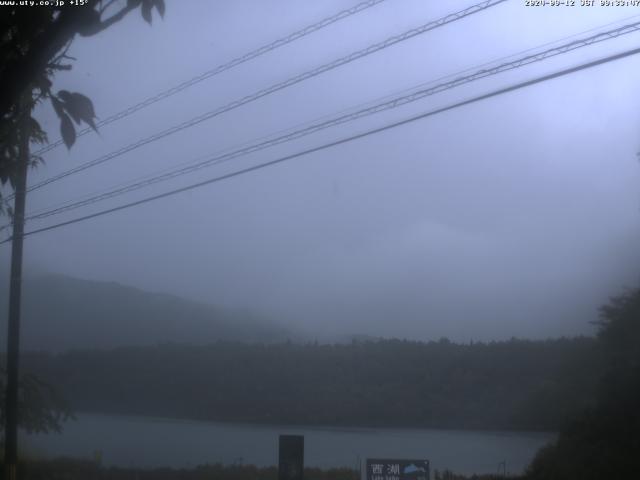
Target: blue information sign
[386, 469]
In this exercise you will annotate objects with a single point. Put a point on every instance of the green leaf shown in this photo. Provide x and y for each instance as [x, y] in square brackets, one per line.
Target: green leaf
[159, 4]
[79, 107]
[69, 105]
[68, 131]
[57, 106]
[64, 95]
[146, 10]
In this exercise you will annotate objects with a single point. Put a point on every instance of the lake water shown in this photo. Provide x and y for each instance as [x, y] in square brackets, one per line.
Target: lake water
[152, 442]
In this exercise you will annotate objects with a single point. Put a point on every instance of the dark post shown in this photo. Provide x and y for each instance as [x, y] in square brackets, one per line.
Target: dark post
[291, 461]
[13, 336]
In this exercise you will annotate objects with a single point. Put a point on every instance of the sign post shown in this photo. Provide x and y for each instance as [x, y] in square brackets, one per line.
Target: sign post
[387, 469]
[291, 457]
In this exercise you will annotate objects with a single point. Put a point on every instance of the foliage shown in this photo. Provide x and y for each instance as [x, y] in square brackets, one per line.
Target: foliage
[449, 475]
[70, 469]
[386, 383]
[33, 47]
[86, 470]
[605, 441]
[41, 409]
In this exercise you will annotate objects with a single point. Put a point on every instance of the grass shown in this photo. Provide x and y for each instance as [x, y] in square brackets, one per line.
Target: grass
[72, 469]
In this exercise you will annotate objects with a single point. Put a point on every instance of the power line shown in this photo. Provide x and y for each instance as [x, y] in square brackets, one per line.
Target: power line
[278, 86]
[394, 103]
[351, 138]
[224, 67]
[93, 195]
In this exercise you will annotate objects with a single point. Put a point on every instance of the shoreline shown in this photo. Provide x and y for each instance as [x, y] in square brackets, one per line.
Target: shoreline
[346, 428]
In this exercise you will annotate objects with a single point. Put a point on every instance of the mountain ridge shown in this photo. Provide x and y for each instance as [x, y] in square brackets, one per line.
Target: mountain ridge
[61, 312]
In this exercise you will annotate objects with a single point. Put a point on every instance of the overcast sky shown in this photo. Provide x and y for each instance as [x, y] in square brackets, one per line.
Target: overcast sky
[516, 216]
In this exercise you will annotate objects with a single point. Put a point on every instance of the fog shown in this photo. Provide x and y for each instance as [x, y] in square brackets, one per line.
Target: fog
[512, 217]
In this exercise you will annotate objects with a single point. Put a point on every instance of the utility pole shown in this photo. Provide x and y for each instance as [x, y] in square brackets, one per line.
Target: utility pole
[15, 287]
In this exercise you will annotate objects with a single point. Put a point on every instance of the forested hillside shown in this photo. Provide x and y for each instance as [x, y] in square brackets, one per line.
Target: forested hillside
[604, 441]
[61, 312]
[517, 384]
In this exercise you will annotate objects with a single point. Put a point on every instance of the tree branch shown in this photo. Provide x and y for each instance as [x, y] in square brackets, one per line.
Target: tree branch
[16, 77]
[116, 17]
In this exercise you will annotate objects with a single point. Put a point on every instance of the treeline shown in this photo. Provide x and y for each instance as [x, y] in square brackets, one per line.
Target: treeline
[517, 384]
[604, 441]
